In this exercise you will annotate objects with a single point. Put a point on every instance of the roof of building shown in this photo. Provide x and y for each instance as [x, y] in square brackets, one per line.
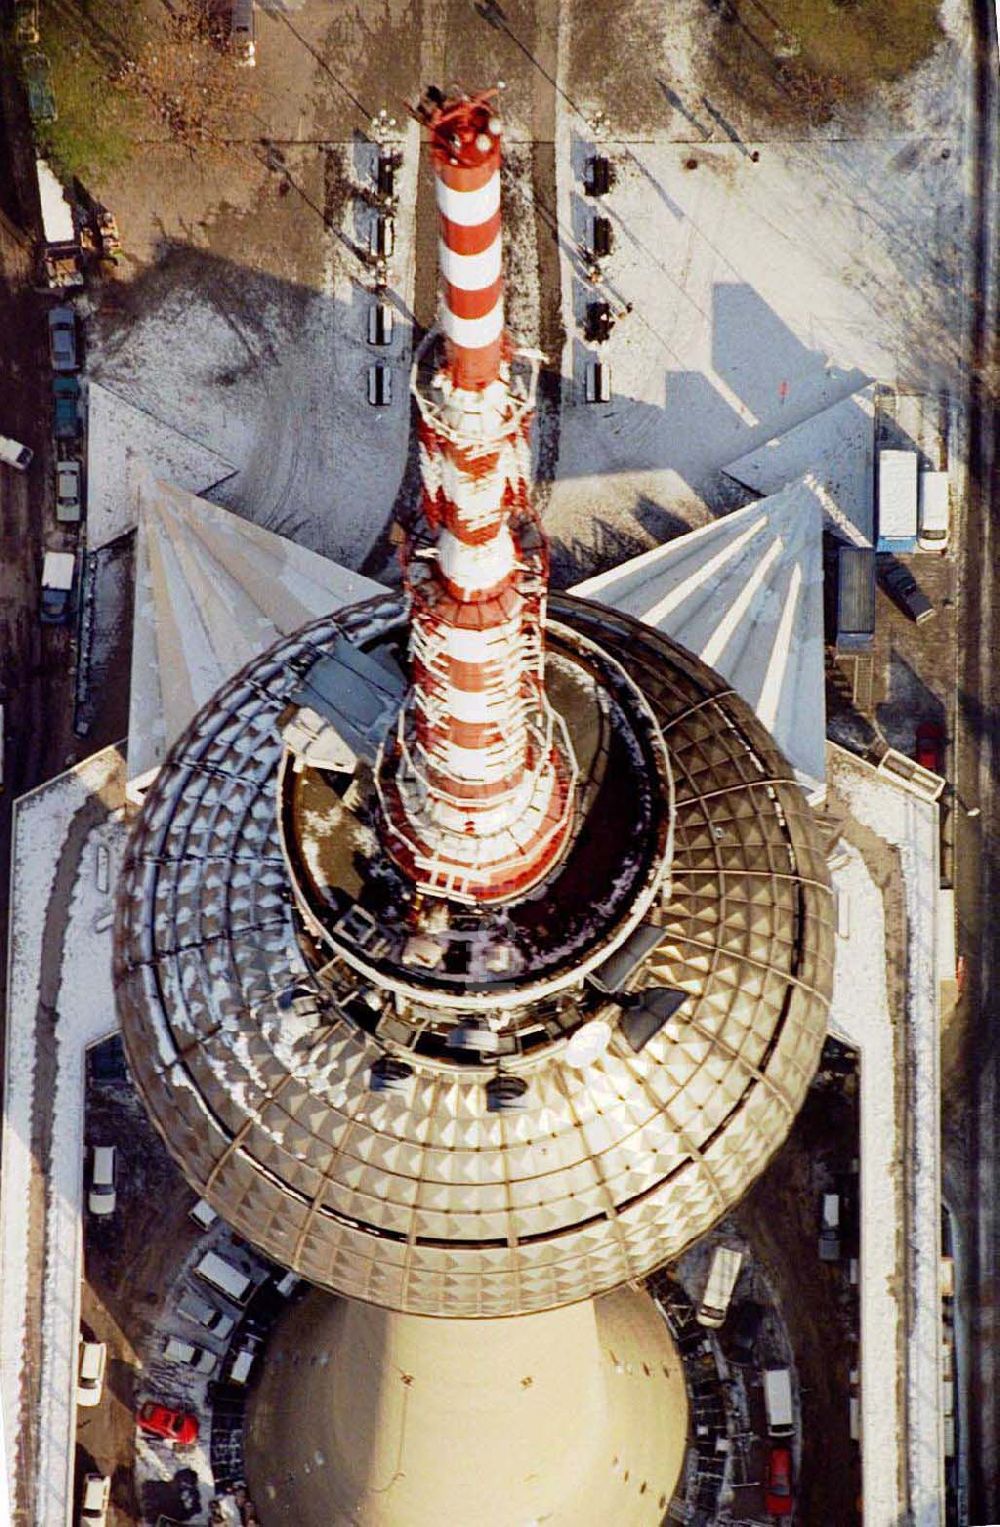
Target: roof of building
[212, 591]
[745, 593]
[586, 1419]
[837, 445]
[256, 1055]
[126, 443]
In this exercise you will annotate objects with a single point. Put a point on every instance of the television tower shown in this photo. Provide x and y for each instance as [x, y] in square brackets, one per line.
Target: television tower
[473, 959]
[479, 801]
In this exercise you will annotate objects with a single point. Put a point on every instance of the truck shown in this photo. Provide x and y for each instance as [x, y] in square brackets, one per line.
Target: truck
[61, 256]
[855, 598]
[723, 1271]
[897, 501]
[778, 1402]
[58, 575]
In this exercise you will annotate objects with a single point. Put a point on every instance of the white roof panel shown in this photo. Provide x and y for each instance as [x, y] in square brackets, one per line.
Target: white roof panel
[745, 594]
[212, 591]
[837, 446]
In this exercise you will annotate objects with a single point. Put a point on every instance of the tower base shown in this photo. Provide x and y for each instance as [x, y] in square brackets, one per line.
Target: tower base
[367, 1418]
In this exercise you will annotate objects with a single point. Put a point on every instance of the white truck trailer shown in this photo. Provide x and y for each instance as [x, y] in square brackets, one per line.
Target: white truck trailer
[897, 501]
[60, 246]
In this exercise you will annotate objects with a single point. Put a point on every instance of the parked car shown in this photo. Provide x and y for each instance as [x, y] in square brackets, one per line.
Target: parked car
[901, 585]
[778, 1500]
[102, 1196]
[242, 1358]
[176, 1350]
[204, 1314]
[172, 1425]
[15, 454]
[69, 499]
[203, 1214]
[829, 1227]
[929, 751]
[58, 581]
[38, 79]
[242, 38]
[723, 1271]
[94, 1500]
[65, 407]
[933, 511]
[744, 1327]
[62, 339]
[92, 1361]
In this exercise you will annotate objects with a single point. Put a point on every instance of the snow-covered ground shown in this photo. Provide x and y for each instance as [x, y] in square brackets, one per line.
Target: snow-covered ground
[900, 1123]
[757, 283]
[273, 379]
[124, 443]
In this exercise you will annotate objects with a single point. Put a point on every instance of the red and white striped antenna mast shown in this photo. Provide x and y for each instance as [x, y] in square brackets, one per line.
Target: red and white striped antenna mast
[478, 783]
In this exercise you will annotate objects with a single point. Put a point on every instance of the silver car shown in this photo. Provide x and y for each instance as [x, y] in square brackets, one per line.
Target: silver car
[102, 1196]
[62, 339]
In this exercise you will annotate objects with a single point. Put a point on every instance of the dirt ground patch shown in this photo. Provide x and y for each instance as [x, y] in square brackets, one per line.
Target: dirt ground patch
[798, 60]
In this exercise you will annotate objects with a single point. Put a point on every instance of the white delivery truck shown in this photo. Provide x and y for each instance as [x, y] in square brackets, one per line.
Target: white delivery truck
[224, 1277]
[778, 1402]
[61, 252]
[897, 501]
[723, 1271]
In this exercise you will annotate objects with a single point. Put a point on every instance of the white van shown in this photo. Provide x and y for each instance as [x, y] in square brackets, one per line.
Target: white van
[224, 1277]
[94, 1498]
[203, 1214]
[933, 511]
[242, 1365]
[778, 1402]
[722, 1275]
[242, 33]
[15, 454]
[93, 1360]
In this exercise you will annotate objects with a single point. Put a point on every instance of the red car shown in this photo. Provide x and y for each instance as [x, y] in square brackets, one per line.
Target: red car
[778, 1501]
[172, 1425]
[929, 751]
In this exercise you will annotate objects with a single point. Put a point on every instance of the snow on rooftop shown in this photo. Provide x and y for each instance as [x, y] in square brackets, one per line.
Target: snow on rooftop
[745, 594]
[753, 285]
[837, 445]
[124, 440]
[274, 381]
[86, 1014]
[53, 832]
[212, 591]
[910, 824]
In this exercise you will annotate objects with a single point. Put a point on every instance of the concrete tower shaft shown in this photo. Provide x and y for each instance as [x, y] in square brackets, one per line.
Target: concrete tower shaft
[479, 780]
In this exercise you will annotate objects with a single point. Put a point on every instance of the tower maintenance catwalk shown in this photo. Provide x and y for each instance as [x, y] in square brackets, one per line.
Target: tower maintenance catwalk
[473, 959]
